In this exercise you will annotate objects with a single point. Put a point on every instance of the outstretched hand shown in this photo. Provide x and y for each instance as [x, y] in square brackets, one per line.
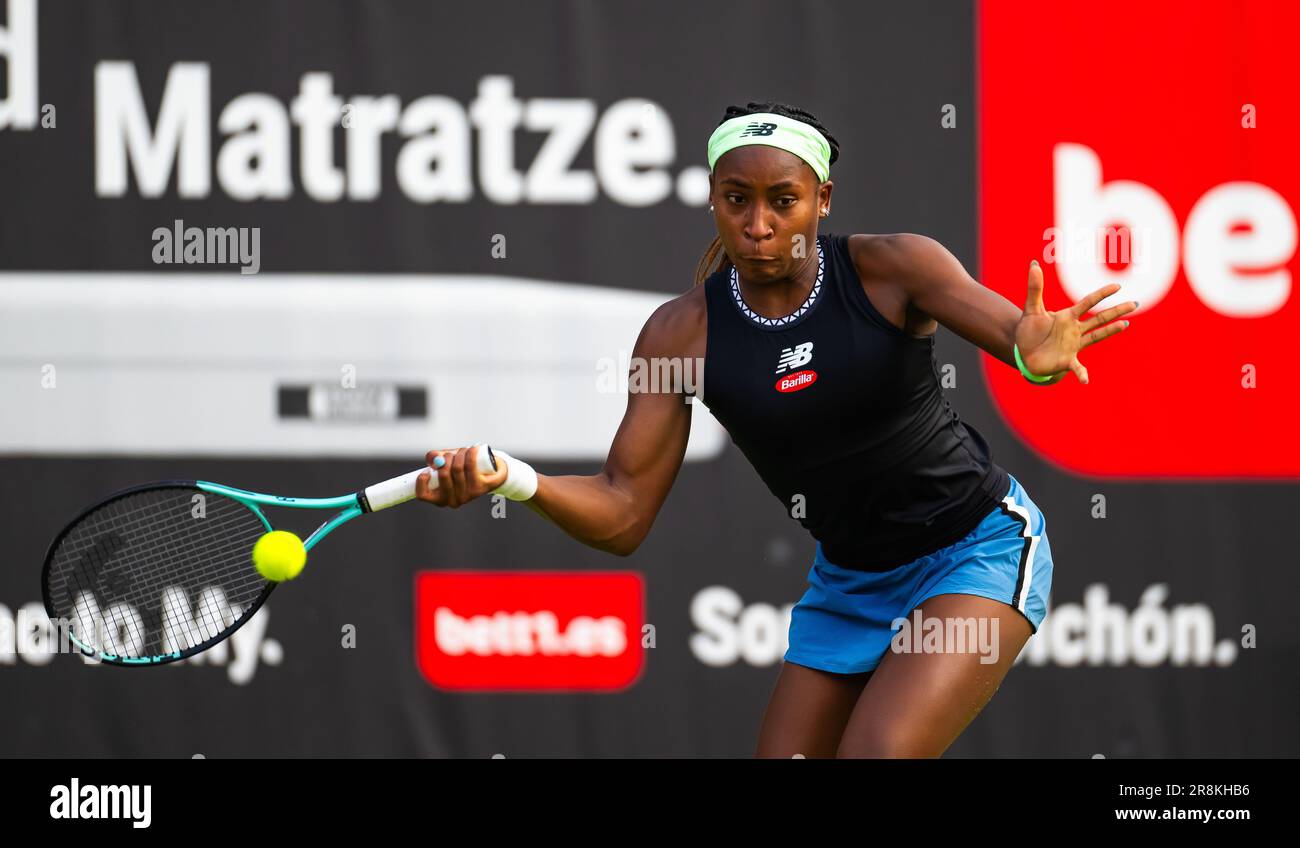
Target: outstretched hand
[1049, 342]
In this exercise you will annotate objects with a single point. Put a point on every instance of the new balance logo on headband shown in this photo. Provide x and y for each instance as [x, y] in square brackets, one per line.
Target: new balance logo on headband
[794, 357]
[757, 129]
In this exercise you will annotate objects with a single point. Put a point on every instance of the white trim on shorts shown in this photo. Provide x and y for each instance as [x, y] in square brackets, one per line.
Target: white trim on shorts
[1025, 576]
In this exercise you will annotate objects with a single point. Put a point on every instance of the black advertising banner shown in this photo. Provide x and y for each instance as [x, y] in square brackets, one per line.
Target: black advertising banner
[291, 246]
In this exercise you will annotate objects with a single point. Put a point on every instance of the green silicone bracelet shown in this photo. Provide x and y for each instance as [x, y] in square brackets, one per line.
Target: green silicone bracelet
[1020, 363]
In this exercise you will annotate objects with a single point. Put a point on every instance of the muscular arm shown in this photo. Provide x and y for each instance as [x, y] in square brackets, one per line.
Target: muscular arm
[936, 284]
[614, 509]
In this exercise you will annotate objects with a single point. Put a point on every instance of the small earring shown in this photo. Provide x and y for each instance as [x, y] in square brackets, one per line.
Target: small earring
[710, 207]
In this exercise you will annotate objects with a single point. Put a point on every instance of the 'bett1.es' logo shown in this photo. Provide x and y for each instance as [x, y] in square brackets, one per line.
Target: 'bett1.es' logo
[1172, 173]
[501, 630]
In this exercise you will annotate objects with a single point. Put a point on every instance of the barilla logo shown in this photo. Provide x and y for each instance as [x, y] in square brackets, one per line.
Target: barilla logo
[796, 381]
[74, 801]
[493, 631]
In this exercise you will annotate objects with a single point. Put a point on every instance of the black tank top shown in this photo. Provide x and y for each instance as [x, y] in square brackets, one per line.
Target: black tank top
[837, 405]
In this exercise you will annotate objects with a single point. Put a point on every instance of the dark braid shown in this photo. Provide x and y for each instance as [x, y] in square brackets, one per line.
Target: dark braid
[702, 271]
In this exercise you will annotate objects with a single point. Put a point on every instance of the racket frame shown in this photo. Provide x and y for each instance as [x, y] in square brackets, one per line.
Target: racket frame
[350, 507]
[156, 659]
[388, 493]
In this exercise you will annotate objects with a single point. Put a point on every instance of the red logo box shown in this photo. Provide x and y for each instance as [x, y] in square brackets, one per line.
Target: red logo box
[529, 631]
[1130, 116]
[797, 381]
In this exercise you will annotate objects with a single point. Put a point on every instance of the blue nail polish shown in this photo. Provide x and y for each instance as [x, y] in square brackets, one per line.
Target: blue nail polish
[439, 462]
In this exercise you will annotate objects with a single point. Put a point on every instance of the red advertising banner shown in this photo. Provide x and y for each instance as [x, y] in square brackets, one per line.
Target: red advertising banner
[1150, 145]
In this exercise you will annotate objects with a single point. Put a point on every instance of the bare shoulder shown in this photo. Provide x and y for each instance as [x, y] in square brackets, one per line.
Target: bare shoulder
[894, 269]
[677, 327]
[891, 256]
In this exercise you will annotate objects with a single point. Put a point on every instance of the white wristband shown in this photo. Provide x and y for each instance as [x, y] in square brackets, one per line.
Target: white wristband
[521, 479]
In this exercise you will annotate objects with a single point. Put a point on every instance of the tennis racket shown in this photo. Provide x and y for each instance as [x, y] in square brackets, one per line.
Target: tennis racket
[163, 571]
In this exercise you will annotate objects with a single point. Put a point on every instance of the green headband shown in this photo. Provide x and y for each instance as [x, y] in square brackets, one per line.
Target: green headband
[797, 137]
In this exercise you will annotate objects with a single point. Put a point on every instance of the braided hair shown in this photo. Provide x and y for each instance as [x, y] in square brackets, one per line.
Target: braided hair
[702, 271]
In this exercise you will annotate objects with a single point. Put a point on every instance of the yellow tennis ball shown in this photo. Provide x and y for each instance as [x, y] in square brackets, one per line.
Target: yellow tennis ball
[279, 555]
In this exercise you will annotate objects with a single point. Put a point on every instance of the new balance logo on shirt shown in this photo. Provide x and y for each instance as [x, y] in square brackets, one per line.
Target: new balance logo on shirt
[794, 357]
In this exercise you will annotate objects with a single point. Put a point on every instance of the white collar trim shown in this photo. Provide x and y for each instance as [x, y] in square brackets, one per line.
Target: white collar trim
[785, 319]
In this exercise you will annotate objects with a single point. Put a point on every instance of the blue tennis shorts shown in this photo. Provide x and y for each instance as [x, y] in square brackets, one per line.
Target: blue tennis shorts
[844, 622]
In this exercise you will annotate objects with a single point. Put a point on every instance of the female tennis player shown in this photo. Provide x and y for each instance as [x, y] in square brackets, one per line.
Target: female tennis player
[819, 362]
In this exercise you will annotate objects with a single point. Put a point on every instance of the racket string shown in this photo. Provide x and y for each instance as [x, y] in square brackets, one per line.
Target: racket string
[131, 553]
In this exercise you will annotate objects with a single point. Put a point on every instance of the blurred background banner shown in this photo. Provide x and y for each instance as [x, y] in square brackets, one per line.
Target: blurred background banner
[290, 246]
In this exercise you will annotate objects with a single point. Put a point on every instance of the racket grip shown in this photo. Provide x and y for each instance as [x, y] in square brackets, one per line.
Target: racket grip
[402, 489]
